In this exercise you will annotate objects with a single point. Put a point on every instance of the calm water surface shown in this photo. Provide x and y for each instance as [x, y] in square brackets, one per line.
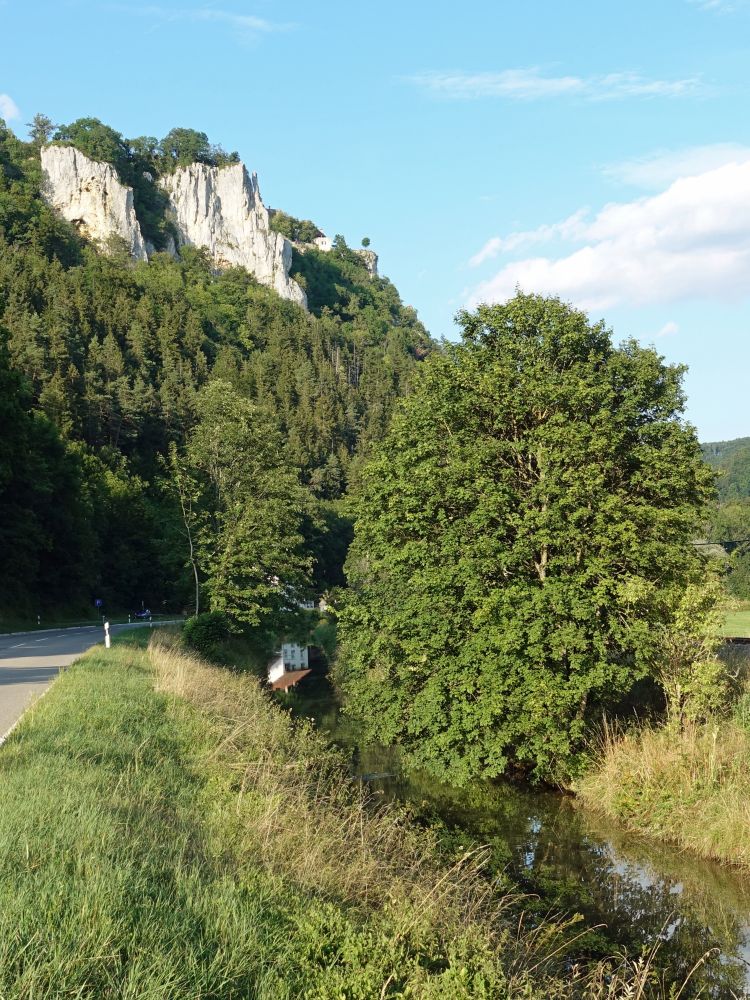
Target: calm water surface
[571, 861]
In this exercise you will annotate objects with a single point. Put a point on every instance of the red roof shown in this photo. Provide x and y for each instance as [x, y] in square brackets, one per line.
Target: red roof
[288, 679]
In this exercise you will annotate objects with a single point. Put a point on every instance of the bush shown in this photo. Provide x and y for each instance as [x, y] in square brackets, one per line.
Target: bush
[205, 633]
[297, 230]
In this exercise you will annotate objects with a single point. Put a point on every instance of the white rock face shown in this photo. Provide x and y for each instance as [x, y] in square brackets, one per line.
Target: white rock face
[370, 260]
[220, 208]
[92, 196]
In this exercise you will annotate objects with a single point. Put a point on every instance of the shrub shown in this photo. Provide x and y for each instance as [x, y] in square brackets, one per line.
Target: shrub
[205, 633]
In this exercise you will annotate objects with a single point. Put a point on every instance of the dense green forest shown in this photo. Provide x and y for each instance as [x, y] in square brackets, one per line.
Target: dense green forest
[731, 459]
[103, 367]
[730, 518]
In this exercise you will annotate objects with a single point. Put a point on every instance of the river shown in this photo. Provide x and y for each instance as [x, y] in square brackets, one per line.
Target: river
[633, 893]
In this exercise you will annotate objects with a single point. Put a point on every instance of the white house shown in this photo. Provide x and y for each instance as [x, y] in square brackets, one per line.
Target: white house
[288, 667]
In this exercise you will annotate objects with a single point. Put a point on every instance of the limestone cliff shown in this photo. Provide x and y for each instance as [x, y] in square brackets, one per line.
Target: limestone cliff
[91, 196]
[220, 208]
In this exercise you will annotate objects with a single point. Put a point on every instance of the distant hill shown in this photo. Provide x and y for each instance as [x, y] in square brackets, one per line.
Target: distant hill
[732, 460]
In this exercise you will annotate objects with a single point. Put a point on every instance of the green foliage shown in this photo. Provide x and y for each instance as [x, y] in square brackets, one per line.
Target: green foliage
[97, 141]
[730, 522]
[731, 519]
[738, 579]
[25, 219]
[183, 146]
[521, 535]
[297, 230]
[45, 533]
[694, 679]
[731, 459]
[41, 129]
[251, 507]
[205, 633]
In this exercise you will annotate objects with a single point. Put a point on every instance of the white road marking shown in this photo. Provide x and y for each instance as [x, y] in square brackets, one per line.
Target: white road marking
[18, 646]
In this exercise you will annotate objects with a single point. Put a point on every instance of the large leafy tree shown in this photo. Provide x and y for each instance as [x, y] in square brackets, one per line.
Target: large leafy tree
[519, 534]
[249, 511]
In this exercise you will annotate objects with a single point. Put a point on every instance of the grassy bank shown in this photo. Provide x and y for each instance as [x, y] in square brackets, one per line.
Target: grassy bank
[737, 622]
[165, 831]
[689, 786]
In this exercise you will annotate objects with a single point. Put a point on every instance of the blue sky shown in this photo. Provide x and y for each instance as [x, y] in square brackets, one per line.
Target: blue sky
[600, 151]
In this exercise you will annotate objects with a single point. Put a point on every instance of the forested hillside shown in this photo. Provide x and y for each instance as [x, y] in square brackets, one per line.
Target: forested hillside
[731, 459]
[102, 366]
[730, 520]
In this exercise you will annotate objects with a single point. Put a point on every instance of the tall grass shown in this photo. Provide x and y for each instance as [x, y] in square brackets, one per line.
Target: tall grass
[193, 842]
[688, 785]
[297, 809]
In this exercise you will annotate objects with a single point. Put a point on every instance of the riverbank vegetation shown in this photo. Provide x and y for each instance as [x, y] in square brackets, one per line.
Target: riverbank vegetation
[166, 830]
[685, 779]
[689, 786]
[684, 775]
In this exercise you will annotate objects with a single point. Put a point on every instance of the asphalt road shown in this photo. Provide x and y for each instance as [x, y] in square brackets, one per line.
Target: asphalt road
[30, 661]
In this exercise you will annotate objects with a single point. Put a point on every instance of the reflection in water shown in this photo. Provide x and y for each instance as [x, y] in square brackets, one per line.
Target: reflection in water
[570, 860]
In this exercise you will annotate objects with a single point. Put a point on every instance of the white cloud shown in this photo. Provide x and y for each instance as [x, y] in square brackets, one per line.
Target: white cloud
[669, 329]
[568, 229]
[691, 241]
[245, 22]
[720, 6]
[490, 249]
[246, 25]
[528, 84]
[660, 168]
[8, 108]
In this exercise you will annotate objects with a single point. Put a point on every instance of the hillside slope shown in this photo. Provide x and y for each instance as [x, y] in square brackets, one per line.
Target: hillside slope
[110, 355]
[731, 459]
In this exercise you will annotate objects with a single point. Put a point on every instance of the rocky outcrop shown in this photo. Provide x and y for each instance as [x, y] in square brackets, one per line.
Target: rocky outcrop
[91, 196]
[370, 260]
[220, 208]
